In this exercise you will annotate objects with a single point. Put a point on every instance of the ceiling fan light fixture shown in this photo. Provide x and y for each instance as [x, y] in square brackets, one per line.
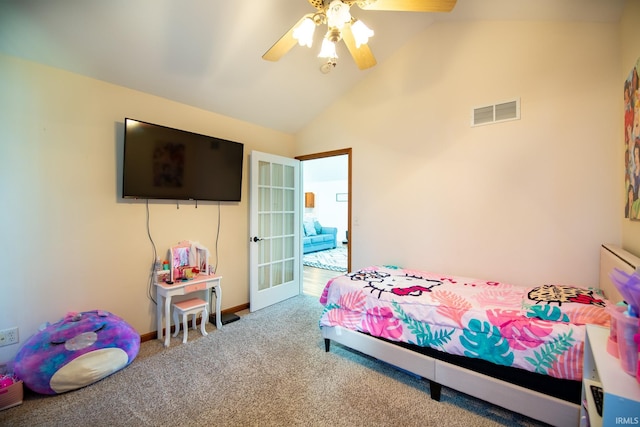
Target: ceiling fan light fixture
[336, 15]
[304, 32]
[361, 33]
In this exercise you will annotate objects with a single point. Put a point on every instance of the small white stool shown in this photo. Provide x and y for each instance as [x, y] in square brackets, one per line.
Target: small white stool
[185, 308]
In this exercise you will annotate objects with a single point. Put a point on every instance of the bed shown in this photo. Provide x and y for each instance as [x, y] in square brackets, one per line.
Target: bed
[519, 348]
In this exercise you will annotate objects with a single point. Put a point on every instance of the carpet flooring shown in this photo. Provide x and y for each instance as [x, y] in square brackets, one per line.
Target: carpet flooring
[330, 259]
[267, 369]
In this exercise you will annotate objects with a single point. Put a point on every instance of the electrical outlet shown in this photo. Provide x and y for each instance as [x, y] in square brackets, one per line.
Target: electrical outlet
[8, 336]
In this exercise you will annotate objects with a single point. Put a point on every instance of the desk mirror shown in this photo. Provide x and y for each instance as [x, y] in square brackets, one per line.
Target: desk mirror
[180, 255]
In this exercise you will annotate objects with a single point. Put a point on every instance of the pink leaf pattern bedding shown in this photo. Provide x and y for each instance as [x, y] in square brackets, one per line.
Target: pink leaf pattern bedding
[539, 329]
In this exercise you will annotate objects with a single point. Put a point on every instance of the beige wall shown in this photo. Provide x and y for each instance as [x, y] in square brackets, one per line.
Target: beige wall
[526, 201]
[630, 42]
[68, 243]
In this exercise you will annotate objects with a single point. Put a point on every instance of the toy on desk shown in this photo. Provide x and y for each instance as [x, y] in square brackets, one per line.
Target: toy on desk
[188, 259]
[76, 351]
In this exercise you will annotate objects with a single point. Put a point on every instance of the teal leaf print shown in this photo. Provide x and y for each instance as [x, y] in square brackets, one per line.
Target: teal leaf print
[422, 331]
[550, 352]
[547, 312]
[327, 308]
[482, 339]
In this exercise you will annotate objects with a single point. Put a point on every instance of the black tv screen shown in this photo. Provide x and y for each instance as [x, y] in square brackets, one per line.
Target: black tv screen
[165, 163]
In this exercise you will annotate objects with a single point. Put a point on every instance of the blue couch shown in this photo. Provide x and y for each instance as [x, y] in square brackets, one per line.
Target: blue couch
[318, 238]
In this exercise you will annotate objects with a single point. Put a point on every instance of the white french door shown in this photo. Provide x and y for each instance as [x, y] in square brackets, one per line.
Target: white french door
[274, 239]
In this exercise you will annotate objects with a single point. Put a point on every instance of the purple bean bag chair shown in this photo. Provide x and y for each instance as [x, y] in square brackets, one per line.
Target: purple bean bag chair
[76, 351]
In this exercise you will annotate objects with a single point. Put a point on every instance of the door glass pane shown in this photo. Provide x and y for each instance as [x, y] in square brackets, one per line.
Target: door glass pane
[288, 247]
[277, 250]
[288, 271]
[278, 203]
[264, 173]
[277, 225]
[276, 176]
[289, 223]
[264, 275]
[264, 199]
[264, 225]
[289, 200]
[276, 277]
[289, 176]
[264, 251]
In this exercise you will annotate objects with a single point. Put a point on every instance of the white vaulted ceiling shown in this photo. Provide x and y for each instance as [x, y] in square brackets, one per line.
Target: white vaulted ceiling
[208, 53]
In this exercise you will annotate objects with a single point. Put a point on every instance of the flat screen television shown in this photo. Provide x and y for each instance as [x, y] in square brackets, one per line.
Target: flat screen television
[166, 163]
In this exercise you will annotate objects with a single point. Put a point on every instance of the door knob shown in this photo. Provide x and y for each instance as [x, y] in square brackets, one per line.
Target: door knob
[256, 239]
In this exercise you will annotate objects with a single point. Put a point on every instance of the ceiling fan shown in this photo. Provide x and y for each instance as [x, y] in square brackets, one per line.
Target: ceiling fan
[342, 26]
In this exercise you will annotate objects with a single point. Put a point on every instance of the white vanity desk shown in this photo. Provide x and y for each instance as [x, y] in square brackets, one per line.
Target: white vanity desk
[165, 291]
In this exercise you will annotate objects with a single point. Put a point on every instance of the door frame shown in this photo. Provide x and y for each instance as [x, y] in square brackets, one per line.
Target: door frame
[333, 153]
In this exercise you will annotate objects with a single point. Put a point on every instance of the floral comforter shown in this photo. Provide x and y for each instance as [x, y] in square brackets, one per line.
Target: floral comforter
[539, 329]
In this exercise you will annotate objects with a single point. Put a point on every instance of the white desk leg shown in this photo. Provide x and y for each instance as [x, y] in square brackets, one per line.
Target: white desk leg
[167, 320]
[218, 289]
[207, 298]
[159, 300]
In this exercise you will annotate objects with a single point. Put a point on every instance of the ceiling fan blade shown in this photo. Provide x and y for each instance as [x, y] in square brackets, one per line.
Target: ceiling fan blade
[408, 5]
[361, 55]
[285, 44]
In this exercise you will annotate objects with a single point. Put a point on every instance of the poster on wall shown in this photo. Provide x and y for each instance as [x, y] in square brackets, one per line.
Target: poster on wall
[632, 144]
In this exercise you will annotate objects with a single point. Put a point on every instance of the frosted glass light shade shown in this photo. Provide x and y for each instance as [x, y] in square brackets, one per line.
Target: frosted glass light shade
[304, 32]
[361, 33]
[338, 14]
[328, 49]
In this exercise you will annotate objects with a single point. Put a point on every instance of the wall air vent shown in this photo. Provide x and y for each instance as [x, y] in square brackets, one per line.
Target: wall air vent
[496, 113]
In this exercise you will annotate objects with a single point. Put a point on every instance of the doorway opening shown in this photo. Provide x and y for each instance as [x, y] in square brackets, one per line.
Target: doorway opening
[326, 218]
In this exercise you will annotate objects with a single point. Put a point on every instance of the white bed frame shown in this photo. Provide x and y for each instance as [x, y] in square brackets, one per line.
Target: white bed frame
[531, 403]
